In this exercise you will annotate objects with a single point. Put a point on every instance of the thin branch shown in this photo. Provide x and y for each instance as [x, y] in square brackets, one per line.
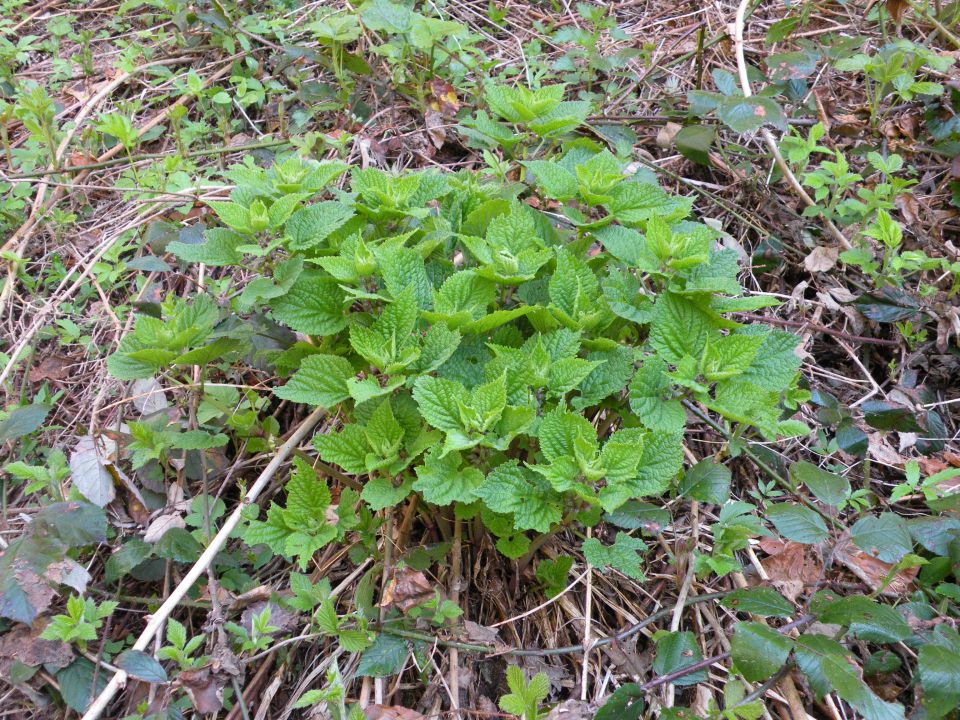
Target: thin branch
[768, 136]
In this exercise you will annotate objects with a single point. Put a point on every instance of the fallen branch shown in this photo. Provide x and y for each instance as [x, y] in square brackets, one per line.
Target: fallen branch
[767, 135]
[205, 560]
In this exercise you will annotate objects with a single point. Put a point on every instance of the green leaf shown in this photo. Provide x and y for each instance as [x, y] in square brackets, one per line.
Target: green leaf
[321, 380]
[676, 651]
[798, 523]
[708, 482]
[380, 493]
[141, 666]
[557, 182]
[637, 202]
[938, 669]
[680, 327]
[233, 215]
[826, 486]
[554, 573]
[762, 601]
[218, 249]
[864, 618]
[441, 479]
[347, 448]
[23, 421]
[80, 683]
[310, 226]
[385, 657]
[313, 305]
[885, 537]
[694, 141]
[438, 400]
[625, 703]
[828, 666]
[518, 491]
[559, 432]
[742, 114]
[651, 397]
[758, 651]
[624, 555]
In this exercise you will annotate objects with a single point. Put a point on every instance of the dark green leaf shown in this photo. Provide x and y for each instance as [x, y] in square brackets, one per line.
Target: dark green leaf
[141, 666]
[826, 486]
[708, 482]
[385, 657]
[762, 601]
[798, 523]
[23, 421]
[676, 651]
[758, 651]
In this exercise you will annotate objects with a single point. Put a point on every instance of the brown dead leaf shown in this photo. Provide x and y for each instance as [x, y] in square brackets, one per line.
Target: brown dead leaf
[909, 207]
[407, 589]
[204, 688]
[261, 593]
[280, 618]
[161, 524]
[23, 644]
[444, 97]
[38, 593]
[572, 710]
[52, 367]
[848, 125]
[791, 566]
[821, 259]
[880, 449]
[390, 712]
[895, 9]
[872, 571]
[480, 633]
[436, 128]
[68, 572]
[667, 134]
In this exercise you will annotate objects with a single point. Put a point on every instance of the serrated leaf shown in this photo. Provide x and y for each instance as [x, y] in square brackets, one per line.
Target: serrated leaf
[557, 182]
[680, 327]
[385, 657]
[321, 380]
[651, 397]
[624, 555]
[313, 305]
[310, 226]
[441, 479]
[516, 490]
[885, 537]
[438, 399]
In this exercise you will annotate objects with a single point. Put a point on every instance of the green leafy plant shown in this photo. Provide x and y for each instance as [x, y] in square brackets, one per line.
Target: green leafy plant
[80, 623]
[894, 70]
[524, 697]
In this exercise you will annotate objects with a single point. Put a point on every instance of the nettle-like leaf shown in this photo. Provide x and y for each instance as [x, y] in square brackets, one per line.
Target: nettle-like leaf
[303, 526]
[472, 345]
[185, 337]
[624, 555]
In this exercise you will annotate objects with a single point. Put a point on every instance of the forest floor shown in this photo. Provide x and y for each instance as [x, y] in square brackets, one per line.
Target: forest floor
[815, 144]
